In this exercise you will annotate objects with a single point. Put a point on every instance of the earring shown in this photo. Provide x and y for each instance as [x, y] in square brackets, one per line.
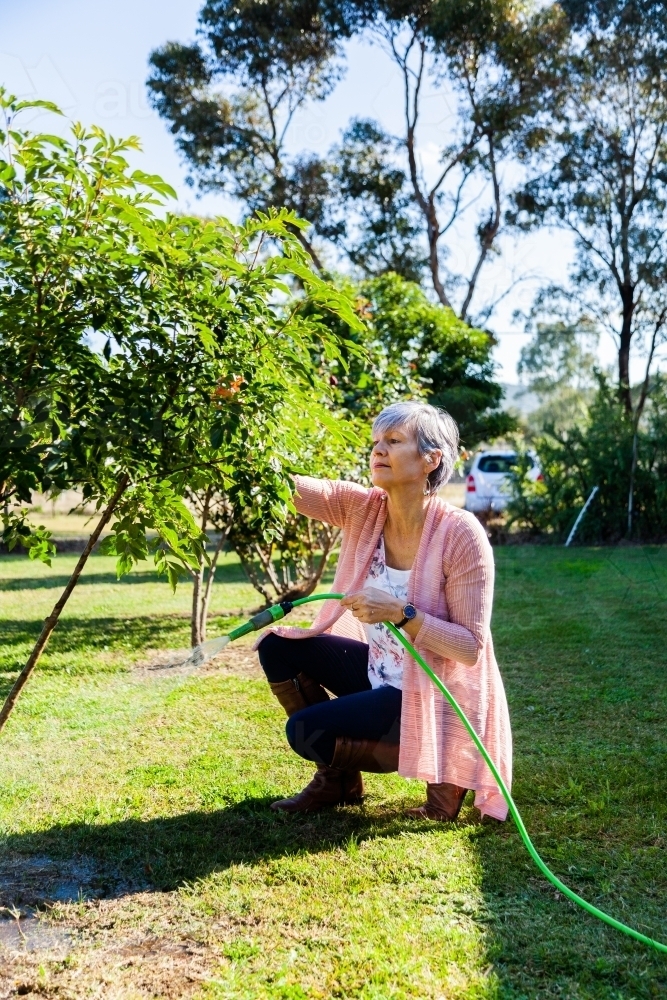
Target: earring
[427, 488]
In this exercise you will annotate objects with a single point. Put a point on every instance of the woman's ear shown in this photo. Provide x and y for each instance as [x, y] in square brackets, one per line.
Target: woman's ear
[434, 459]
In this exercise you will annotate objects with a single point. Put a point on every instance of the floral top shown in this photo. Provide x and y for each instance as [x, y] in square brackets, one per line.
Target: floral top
[385, 653]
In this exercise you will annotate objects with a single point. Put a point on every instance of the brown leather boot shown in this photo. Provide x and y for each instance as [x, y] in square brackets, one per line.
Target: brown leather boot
[298, 693]
[443, 802]
[331, 786]
[374, 756]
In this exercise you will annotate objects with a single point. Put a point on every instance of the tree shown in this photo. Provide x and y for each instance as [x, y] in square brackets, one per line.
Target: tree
[427, 343]
[600, 450]
[199, 355]
[499, 59]
[231, 101]
[372, 216]
[560, 365]
[232, 97]
[603, 177]
[285, 559]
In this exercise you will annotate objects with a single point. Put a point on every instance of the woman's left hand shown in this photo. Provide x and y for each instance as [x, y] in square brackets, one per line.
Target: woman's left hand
[372, 606]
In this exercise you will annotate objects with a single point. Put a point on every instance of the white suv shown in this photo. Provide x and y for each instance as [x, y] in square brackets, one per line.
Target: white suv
[486, 489]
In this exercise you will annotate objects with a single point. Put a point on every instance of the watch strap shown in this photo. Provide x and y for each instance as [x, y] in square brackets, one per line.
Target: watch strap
[403, 621]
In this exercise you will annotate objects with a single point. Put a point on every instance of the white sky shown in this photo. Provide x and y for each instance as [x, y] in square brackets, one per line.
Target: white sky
[90, 57]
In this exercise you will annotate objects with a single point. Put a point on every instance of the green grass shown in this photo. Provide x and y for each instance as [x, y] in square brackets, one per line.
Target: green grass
[164, 783]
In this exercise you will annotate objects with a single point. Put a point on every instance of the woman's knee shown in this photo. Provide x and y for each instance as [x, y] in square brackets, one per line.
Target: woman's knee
[308, 738]
[297, 731]
[274, 658]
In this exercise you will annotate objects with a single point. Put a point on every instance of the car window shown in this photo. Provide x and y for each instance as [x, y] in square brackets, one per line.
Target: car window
[496, 463]
[500, 463]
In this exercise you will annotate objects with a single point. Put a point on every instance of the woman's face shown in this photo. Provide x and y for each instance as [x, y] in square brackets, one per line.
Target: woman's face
[395, 459]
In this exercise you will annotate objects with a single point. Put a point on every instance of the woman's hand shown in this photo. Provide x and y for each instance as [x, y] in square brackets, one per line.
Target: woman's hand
[372, 606]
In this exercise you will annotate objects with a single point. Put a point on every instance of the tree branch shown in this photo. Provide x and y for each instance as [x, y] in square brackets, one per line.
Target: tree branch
[52, 620]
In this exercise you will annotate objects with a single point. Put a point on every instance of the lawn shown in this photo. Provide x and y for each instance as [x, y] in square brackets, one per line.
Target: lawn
[139, 858]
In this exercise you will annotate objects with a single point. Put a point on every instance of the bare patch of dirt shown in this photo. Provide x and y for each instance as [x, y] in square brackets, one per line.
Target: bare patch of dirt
[27, 883]
[145, 945]
[69, 929]
[238, 658]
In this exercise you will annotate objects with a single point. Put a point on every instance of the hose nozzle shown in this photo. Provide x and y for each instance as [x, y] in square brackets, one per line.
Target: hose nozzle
[261, 620]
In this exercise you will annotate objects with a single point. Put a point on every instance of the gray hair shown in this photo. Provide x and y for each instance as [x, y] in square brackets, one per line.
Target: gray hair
[433, 428]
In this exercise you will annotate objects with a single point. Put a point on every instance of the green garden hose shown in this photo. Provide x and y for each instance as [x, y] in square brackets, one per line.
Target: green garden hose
[278, 611]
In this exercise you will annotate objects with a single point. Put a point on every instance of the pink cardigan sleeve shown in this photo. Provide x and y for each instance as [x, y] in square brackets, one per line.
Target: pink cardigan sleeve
[469, 572]
[327, 500]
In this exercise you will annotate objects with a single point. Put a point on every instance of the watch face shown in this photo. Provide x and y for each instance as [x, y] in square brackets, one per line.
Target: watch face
[410, 611]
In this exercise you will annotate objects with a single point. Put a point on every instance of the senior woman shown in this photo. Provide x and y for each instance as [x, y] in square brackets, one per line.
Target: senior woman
[410, 558]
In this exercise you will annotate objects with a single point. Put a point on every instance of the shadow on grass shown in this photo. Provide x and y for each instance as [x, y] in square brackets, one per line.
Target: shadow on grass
[223, 574]
[80, 859]
[88, 641]
[77, 635]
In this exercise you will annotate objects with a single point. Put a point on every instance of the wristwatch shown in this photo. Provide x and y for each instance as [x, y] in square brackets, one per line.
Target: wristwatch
[409, 612]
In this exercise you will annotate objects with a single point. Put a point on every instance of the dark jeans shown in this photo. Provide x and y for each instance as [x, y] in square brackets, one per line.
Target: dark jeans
[340, 665]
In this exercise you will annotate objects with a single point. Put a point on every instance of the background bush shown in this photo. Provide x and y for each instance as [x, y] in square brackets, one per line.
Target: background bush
[598, 452]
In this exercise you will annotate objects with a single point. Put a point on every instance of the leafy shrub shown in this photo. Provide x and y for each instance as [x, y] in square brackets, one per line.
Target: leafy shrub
[599, 453]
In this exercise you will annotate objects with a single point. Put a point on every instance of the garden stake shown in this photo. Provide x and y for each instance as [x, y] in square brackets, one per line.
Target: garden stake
[581, 515]
[209, 649]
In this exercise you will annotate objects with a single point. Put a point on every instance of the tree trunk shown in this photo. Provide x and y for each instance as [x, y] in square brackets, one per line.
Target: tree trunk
[308, 247]
[427, 206]
[433, 261]
[197, 581]
[302, 587]
[641, 403]
[487, 234]
[633, 472]
[206, 596]
[624, 393]
[52, 620]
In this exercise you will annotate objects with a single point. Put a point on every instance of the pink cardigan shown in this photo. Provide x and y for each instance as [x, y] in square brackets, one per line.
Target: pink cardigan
[452, 582]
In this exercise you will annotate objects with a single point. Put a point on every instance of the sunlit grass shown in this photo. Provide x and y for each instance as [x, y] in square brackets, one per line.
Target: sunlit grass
[165, 782]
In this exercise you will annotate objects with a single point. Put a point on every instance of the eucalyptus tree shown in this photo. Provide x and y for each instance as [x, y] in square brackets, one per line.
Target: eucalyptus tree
[141, 352]
[231, 100]
[560, 367]
[232, 97]
[602, 176]
[498, 59]
[371, 213]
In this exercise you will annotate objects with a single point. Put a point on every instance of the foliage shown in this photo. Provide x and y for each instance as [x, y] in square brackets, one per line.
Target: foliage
[231, 101]
[602, 175]
[559, 366]
[420, 347]
[18, 530]
[372, 216]
[599, 452]
[408, 347]
[286, 557]
[198, 358]
[142, 352]
[274, 56]
[76, 263]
